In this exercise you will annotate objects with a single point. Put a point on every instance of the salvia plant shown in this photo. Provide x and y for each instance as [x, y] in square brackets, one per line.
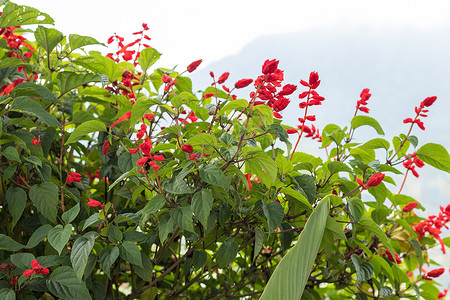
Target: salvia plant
[118, 181]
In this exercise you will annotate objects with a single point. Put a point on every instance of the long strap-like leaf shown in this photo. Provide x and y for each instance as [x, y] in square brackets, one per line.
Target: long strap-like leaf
[291, 275]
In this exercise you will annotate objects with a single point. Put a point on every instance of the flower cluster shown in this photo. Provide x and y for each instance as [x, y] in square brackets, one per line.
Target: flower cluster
[36, 268]
[411, 161]
[268, 85]
[73, 176]
[395, 259]
[433, 274]
[124, 51]
[433, 225]
[169, 82]
[125, 86]
[365, 95]
[147, 159]
[421, 112]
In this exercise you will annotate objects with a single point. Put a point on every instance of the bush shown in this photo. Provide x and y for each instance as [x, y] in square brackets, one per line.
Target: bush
[119, 182]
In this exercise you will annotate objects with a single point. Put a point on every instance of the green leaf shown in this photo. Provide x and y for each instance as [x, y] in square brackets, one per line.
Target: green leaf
[165, 226]
[115, 235]
[281, 132]
[85, 128]
[184, 84]
[296, 195]
[306, 183]
[71, 214]
[202, 203]
[238, 104]
[65, 284]
[7, 243]
[380, 263]
[291, 275]
[45, 198]
[264, 167]
[10, 62]
[70, 80]
[139, 109]
[356, 207]
[369, 224]
[199, 258]
[81, 249]
[93, 219]
[146, 271]
[38, 236]
[177, 187]
[22, 260]
[259, 241]
[48, 38]
[265, 112]
[364, 271]
[132, 172]
[19, 15]
[130, 253]
[183, 218]
[7, 294]
[77, 41]
[283, 164]
[337, 166]
[213, 175]
[335, 228]
[274, 213]
[435, 155]
[31, 107]
[11, 154]
[30, 89]
[59, 236]
[147, 58]
[377, 143]
[227, 253]
[358, 121]
[16, 198]
[153, 205]
[108, 257]
[202, 139]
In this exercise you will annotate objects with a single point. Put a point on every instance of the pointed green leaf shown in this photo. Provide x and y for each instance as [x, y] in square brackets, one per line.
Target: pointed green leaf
[45, 198]
[369, 224]
[69, 80]
[19, 15]
[81, 249]
[34, 90]
[7, 243]
[48, 38]
[153, 205]
[291, 275]
[202, 203]
[274, 213]
[85, 128]
[38, 236]
[259, 241]
[11, 154]
[227, 253]
[108, 257]
[16, 198]
[183, 218]
[364, 270]
[358, 121]
[213, 175]
[31, 107]
[7, 294]
[146, 271]
[59, 236]
[130, 253]
[202, 139]
[77, 41]
[64, 283]
[71, 214]
[148, 57]
[435, 155]
[10, 62]
[239, 104]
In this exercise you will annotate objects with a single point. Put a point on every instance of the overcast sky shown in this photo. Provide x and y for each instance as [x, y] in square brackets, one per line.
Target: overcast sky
[188, 30]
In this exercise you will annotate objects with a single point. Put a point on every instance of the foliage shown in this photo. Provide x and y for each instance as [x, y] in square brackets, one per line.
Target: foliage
[120, 182]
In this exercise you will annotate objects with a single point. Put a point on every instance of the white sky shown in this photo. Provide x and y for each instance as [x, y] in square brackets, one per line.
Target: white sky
[185, 31]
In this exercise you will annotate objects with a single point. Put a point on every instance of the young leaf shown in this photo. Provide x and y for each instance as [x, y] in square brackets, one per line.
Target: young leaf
[77, 41]
[358, 121]
[291, 275]
[147, 58]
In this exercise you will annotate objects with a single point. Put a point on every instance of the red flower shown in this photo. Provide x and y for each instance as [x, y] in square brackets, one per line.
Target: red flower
[194, 65]
[291, 131]
[36, 142]
[36, 269]
[144, 25]
[187, 148]
[141, 161]
[73, 176]
[106, 145]
[288, 89]
[250, 185]
[435, 273]
[428, 101]
[126, 116]
[166, 78]
[223, 77]
[149, 117]
[397, 259]
[158, 157]
[410, 206]
[374, 180]
[208, 95]
[270, 66]
[95, 203]
[133, 150]
[243, 83]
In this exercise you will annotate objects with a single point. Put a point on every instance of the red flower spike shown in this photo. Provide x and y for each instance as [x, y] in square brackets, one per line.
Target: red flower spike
[243, 83]
[375, 179]
[158, 157]
[291, 131]
[410, 206]
[208, 95]
[211, 73]
[270, 66]
[106, 145]
[223, 77]
[435, 273]
[187, 148]
[428, 101]
[144, 25]
[194, 65]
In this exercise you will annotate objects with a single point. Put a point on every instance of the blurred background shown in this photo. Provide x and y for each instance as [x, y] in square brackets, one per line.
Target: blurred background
[400, 50]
